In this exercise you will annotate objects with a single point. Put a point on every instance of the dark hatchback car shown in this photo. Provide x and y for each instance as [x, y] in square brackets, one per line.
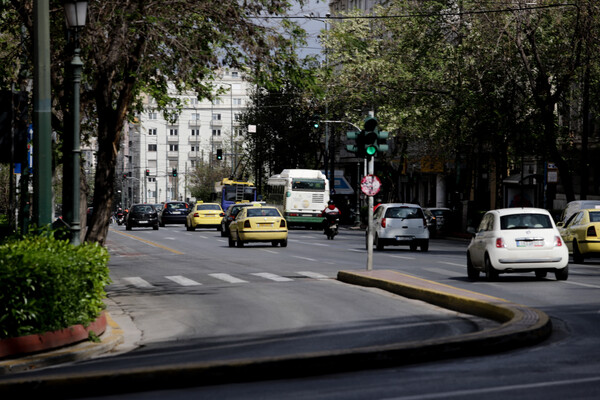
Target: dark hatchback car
[142, 215]
[173, 212]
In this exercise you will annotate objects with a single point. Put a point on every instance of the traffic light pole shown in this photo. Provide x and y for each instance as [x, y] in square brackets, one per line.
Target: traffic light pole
[371, 169]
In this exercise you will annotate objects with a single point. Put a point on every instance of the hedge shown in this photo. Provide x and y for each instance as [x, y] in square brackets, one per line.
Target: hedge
[48, 284]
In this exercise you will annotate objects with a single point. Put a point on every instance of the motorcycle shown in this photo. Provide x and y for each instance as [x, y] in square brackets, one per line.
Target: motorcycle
[120, 218]
[332, 221]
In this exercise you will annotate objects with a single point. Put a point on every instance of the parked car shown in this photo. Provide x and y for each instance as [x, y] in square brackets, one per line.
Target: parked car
[442, 218]
[204, 215]
[400, 224]
[258, 224]
[574, 206]
[142, 215]
[517, 240]
[173, 212]
[581, 234]
[231, 213]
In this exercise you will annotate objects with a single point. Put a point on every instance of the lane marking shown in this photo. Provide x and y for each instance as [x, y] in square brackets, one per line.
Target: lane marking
[272, 277]
[183, 281]
[228, 278]
[403, 257]
[581, 284]
[160, 246]
[453, 264]
[305, 258]
[138, 282]
[313, 275]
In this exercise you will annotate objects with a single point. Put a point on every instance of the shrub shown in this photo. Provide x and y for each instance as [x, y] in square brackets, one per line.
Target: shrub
[47, 284]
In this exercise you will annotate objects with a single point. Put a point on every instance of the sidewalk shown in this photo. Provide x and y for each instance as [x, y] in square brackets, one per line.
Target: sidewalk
[519, 326]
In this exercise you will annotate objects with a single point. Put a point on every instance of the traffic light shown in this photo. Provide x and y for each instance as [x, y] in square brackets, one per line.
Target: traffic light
[174, 172]
[147, 172]
[316, 121]
[219, 154]
[124, 176]
[375, 141]
[358, 147]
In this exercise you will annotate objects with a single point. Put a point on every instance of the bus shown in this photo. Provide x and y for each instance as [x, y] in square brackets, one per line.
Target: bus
[300, 194]
[229, 192]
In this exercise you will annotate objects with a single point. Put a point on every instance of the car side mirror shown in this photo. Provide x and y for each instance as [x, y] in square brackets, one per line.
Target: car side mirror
[560, 224]
[471, 230]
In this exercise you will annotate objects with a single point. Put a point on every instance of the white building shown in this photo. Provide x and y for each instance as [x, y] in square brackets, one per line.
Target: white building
[155, 149]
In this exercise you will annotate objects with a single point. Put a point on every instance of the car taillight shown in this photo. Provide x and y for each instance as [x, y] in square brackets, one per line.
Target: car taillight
[282, 223]
[557, 241]
[383, 222]
[591, 231]
[247, 224]
[222, 214]
[196, 215]
[500, 243]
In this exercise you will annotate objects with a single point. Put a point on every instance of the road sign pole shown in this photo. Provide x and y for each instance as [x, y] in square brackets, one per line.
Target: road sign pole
[370, 219]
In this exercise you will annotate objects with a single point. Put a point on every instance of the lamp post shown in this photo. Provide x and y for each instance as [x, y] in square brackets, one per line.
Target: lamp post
[232, 160]
[75, 12]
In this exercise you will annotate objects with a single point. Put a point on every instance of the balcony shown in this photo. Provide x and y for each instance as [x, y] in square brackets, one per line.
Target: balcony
[195, 123]
[172, 154]
[173, 138]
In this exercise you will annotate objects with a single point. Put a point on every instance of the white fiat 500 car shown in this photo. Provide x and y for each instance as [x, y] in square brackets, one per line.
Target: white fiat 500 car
[398, 224]
[517, 240]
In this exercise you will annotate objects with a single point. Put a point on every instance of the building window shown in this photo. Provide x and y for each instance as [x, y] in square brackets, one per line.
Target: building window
[151, 147]
[173, 147]
[217, 102]
[235, 74]
[152, 132]
[152, 115]
[173, 132]
[216, 117]
[237, 102]
[195, 148]
[193, 101]
[195, 132]
[151, 179]
[216, 132]
[195, 117]
[237, 117]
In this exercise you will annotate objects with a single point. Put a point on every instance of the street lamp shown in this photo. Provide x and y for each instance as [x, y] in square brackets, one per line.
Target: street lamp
[75, 13]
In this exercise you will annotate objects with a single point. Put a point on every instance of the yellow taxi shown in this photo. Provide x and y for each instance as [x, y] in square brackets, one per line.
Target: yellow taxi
[581, 234]
[258, 224]
[204, 215]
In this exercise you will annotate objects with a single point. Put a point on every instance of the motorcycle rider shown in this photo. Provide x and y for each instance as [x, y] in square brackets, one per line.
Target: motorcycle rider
[331, 213]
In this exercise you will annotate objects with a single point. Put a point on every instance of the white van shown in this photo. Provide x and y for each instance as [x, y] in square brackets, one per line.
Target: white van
[574, 206]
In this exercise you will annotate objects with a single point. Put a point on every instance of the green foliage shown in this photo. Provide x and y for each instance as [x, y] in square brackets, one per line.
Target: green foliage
[47, 284]
[203, 178]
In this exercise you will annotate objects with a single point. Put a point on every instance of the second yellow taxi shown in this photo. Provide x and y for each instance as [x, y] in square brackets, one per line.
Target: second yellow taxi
[258, 224]
[204, 215]
[581, 234]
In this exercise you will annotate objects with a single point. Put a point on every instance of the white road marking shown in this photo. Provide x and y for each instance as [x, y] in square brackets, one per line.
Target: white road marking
[228, 278]
[403, 257]
[453, 264]
[272, 277]
[183, 281]
[581, 284]
[313, 275]
[138, 282]
[305, 258]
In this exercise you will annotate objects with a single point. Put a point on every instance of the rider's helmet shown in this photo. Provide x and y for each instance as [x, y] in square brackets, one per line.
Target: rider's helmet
[331, 204]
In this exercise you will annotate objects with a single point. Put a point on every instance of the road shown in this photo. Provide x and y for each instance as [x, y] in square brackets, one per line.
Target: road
[192, 297]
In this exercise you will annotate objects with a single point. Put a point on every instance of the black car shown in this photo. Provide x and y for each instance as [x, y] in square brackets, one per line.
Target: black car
[142, 215]
[173, 212]
[230, 215]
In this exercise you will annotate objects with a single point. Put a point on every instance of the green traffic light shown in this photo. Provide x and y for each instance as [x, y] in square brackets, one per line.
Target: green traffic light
[371, 150]
[316, 125]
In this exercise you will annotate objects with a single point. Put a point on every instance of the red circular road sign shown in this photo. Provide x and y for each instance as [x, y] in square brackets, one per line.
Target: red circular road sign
[370, 185]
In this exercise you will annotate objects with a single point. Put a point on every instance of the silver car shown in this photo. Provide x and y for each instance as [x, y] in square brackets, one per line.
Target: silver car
[397, 224]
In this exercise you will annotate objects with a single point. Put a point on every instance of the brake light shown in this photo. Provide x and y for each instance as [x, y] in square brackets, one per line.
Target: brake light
[222, 214]
[196, 215]
[282, 223]
[247, 224]
[500, 243]
[591, 231]
[557, 241]
[383, 222]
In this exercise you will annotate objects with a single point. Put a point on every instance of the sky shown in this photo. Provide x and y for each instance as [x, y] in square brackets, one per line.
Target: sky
[318, 8]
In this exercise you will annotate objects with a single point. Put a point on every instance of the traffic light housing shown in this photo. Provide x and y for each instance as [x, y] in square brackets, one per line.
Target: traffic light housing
[316, 121]
[358, 147]
[174, 172]
[147, 172]
[219, 154]
[375, 141]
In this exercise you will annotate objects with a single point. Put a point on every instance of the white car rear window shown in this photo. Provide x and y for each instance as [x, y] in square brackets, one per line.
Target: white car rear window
[525, 221]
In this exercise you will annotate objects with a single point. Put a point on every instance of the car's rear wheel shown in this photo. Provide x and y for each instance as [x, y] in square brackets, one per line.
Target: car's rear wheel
[223, 232]
[274, 243]
[283, 243]
[378, 244]
[490, 273]
[577, 256]
[155, 227]
[240, 243]
[128, 227]
[472, 272]
[562, 274]
[231, 241]
[425, 246]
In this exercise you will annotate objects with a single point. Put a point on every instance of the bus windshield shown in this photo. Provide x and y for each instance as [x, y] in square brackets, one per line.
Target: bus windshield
[231, 193]
[308, 184]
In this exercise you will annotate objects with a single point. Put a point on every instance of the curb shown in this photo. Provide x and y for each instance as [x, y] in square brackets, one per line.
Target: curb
[520, 326]
[111, 338]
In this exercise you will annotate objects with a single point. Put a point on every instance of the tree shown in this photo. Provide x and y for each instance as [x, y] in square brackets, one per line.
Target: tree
[202, 180]
[130, 47]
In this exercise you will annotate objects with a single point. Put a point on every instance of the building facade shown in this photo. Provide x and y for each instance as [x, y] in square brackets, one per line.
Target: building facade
[159, 153]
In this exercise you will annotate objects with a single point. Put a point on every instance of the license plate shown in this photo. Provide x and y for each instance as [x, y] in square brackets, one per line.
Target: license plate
[530, 243]
[210, 215]
[405, 237]
[265, 225]
[143, 222]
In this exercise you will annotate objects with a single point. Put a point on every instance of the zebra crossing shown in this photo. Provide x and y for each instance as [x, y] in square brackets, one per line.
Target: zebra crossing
[214, 278]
